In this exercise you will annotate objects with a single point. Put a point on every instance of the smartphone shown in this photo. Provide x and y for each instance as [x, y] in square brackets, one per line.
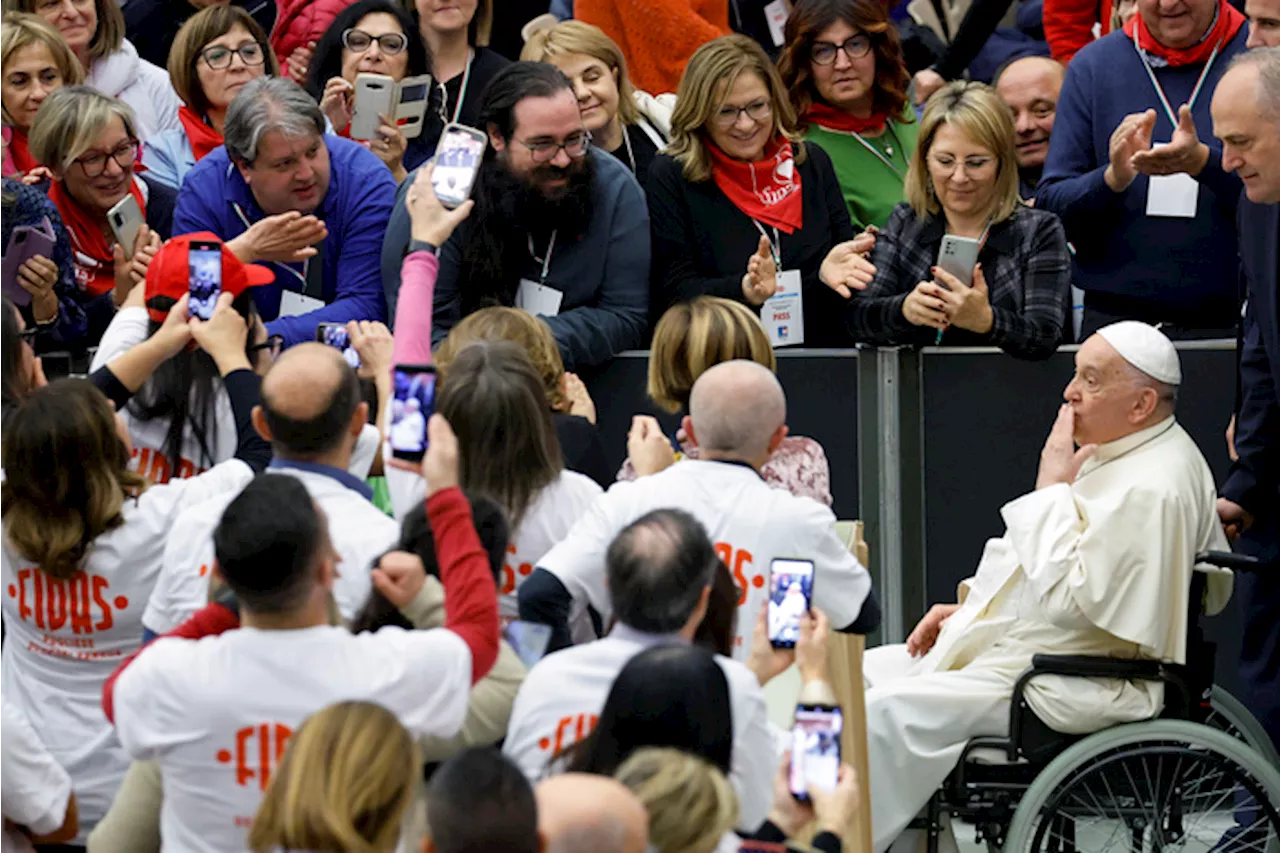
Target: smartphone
[958, 256]
[413, 399]
[815, 749]
[25, 243]
[790, 597]
[411, 104]
[529, 640]
[336, 336]
[375, 97]
[204, 278]
[458, 159]
[125, 219]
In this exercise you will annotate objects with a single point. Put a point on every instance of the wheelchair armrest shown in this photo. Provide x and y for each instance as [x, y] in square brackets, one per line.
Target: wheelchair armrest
[1229, 560]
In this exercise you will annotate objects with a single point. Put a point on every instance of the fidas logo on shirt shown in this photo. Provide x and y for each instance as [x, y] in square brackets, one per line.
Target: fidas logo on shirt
[155, 466]
[82, 602]
[569, 730]
[740, 561]
[510, 573]
[257, 753]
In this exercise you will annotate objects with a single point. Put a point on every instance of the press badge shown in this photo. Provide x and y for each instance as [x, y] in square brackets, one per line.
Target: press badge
[538, 299]
[1172, 195]
[783, 313]
[294, 304]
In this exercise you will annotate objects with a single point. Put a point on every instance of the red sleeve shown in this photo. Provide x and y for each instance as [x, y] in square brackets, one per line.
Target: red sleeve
[471, 596]
[211, 620]
[1068, 26]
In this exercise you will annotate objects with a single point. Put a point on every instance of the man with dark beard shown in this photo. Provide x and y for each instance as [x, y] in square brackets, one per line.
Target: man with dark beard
[560, 229]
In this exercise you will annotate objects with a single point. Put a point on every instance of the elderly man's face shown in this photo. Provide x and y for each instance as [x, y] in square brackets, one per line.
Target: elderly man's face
[1177, 23]
[290, 173]
[1103, 394]
[1250, 134]
[1030, 87]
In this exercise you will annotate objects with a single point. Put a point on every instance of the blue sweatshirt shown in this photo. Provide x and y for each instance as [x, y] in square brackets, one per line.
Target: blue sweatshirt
[355, 209]
[1174, 269]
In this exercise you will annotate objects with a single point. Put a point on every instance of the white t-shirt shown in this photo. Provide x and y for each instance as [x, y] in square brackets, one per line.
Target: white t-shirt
[751, 524]
[562, 696]
[359, 530]
[66, 636]
[217, 713]
[34, 789]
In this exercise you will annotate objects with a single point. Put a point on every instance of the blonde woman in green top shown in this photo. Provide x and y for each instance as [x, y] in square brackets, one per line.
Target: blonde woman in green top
[843, 69]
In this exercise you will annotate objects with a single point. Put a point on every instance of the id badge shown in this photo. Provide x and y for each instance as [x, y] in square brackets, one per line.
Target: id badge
[783, 313]
[294, 304]
[1172, 195]
[538, 299]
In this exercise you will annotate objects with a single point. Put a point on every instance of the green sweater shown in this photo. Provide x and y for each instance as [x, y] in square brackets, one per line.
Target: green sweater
[870, 188]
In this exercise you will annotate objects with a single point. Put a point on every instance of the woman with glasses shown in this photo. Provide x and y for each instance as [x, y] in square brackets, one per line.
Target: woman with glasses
[740, 207]
[94, 30]
[89, 142]
[963, 182]
[36, 61]
[847, 79]
[216, 52]
[370, 37]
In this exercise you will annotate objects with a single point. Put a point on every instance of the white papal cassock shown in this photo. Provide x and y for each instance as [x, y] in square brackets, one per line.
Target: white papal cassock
[1099, 567]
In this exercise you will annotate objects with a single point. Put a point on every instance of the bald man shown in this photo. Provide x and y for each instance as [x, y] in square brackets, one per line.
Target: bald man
[1030, 87]
[582, 813]
[313, 414]
[1096, 561]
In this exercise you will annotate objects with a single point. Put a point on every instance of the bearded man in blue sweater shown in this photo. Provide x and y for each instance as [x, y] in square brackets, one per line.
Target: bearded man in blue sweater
[1147, 205]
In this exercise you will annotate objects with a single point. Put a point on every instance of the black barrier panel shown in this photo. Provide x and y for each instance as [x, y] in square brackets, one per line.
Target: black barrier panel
[986, 417]
[822, 403]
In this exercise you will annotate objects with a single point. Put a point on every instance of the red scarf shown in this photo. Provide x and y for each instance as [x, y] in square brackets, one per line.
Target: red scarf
[95, 270]
[202, 137]
[825, 115]
[767, 190]
[21, 152]
[1225, 26]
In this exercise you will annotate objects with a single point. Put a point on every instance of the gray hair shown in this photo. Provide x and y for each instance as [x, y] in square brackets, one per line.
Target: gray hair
[1267, 61]
[266, 104]
[736, 407]
[657, 568]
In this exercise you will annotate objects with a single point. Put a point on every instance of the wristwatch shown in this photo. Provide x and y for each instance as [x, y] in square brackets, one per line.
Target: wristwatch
[423, 246]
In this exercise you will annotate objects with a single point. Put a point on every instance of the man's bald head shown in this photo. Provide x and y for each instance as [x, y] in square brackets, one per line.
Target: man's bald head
[1030, 87]
[583, 813]
[737, 410]
[309, 398]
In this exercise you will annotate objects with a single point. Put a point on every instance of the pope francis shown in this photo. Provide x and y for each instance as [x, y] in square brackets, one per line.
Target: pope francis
[1096, 561]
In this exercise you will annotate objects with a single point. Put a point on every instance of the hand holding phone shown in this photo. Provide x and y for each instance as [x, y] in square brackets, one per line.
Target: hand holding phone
[815, 749]
[413, 399]
[204, 278]
[26, 242]
[958, 256]
[125, 220]
[457, 163]
[375, 97]
[790, 597]
[337, 336]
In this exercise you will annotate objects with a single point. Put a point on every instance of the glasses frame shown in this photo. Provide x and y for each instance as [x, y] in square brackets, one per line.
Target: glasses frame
[721, 119]
[28, 336]
[232, 53]
[113, 155]
[556, 147]
[838, 49]
[961, 162]
[274, 344]
[404, 41]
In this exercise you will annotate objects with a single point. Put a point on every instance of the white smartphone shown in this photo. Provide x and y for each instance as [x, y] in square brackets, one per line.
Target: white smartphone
[411, 104]
[790, 597]
[375, 97]
[458, 159]
[959, 256]
[125, 219]
[815, 749]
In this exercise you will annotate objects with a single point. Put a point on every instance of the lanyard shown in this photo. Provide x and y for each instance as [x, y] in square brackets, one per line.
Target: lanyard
[1164, 101]
[775, 245]
[626, 140]
[462, 93]
[546, 262]
[875, 151]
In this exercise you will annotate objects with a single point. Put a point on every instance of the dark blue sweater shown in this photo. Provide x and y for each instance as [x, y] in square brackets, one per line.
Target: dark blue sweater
[1170, 269]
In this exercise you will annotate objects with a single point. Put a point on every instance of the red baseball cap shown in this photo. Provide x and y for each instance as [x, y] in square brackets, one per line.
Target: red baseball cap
[169, 275]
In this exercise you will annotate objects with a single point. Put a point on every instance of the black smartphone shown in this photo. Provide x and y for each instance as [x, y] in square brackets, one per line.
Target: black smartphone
[413, 399]
[204, 278]
[336, 336]
[790, 597]
[815, 749]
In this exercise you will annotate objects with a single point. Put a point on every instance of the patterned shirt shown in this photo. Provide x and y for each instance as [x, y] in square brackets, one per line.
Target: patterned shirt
[1028, 274]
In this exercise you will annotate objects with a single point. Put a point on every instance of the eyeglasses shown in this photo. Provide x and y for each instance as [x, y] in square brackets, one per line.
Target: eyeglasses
[360, 41]
[728, 115]
[273, 346]
[93, 165]
[972, 165]
[543, 152]
[28, 336]
[854, 47]
[219, 56]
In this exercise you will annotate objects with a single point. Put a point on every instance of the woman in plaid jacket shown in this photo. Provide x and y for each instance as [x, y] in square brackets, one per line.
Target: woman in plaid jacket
[963, 181]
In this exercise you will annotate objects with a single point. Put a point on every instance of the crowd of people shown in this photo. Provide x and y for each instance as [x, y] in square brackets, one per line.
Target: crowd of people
[332, 556]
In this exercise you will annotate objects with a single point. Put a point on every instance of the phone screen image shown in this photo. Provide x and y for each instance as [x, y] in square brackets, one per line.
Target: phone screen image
[336, 336]
[412, 402]
[529, 640]
[413, 93]
[790, 596]
[204, 268]
[815, 749]
[457, 160]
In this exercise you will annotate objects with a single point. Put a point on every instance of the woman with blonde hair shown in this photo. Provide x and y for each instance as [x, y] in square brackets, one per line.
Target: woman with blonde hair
[630, 125]
[693, 337]
[963, 182]
[344, 786]
[36, 62]
[691, 804]
[739, 207]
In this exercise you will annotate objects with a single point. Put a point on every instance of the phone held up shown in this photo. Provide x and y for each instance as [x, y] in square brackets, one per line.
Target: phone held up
[815, 749]
[413, 399]
[790, 597]
[457, 163]
[959, 256]
[204, 278]
[336, 335]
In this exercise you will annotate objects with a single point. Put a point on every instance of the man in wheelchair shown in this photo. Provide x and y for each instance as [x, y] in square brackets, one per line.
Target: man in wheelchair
[1097, 560]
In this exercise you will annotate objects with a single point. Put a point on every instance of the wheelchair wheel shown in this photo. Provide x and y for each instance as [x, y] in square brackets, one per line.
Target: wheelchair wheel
[1228, 714]
[1163, 785]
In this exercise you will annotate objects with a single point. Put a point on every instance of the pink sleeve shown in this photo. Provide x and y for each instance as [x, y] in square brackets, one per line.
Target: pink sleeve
[413, 309]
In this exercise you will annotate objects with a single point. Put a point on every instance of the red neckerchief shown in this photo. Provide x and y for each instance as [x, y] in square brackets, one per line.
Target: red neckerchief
[202, 137]
[825, 115]
[767, 190]
[1225, 26]
[21, 152]
[95, 270]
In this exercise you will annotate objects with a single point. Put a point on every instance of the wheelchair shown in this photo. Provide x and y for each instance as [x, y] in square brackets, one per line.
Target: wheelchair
[1202, 778]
